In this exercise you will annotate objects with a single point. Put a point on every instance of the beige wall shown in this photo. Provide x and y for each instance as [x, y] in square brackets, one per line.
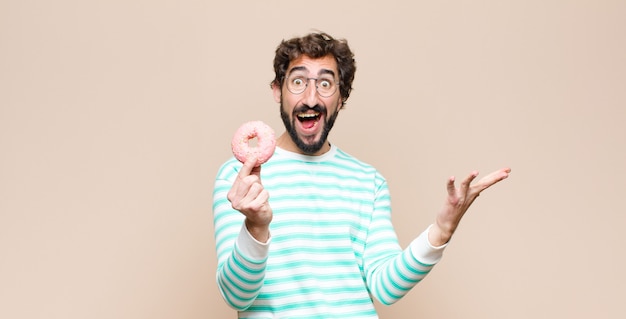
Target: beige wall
[115, 115]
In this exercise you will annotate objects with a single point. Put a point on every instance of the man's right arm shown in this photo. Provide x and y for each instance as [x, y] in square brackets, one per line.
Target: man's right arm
[241, 257]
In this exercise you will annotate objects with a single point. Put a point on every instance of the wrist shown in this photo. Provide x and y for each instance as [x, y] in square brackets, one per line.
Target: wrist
[260, 232]
[438, 236]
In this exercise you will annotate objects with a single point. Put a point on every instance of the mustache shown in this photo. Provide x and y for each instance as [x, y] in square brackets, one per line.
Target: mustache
[303, 108]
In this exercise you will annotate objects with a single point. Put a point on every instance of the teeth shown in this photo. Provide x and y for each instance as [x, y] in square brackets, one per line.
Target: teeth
[308, 115]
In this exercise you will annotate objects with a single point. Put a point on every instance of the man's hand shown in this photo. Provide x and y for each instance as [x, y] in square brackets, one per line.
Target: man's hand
[457, 203]
[248, 196]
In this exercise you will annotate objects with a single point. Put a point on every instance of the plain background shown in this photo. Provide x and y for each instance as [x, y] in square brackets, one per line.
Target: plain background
[115, 116]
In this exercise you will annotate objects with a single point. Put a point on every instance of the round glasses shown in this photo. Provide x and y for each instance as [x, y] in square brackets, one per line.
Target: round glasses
[325, 84]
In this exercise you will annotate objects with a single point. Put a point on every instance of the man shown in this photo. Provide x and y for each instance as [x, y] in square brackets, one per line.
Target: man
[308, 234]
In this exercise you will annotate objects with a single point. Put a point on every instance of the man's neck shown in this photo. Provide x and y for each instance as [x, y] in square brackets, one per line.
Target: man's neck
[285, 142]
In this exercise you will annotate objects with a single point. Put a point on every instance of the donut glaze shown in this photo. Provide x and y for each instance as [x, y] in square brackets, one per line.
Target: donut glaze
[266, 142]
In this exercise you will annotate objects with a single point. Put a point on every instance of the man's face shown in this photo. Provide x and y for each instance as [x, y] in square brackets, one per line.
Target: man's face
[309, 116]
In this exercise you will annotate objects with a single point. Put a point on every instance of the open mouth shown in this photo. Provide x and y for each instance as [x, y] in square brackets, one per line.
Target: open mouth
[308, 120]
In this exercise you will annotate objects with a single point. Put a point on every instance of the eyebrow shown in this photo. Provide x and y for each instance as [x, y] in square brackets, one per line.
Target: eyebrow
[303, 68]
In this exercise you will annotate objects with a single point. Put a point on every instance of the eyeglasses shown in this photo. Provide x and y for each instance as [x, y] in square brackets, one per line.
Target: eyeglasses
[325, 84]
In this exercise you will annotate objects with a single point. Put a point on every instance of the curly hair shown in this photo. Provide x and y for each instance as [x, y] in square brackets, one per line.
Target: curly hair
[317, 45]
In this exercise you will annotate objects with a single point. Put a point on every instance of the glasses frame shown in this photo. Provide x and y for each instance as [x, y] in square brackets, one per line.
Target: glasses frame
[317, 88]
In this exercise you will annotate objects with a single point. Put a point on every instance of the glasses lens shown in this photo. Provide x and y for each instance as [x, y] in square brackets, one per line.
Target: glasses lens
[326, 86]
[297, 83]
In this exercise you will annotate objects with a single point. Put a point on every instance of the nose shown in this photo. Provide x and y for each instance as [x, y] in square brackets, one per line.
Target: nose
[310, 93]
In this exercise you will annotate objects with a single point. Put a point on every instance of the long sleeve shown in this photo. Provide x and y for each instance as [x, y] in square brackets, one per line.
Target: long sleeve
[390, 272]
[241, 259]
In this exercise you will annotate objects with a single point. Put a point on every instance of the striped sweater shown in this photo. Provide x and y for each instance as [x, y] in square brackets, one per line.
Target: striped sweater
[332, 245]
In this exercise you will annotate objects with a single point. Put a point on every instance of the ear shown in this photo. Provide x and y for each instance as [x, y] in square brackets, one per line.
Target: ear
[277, 92]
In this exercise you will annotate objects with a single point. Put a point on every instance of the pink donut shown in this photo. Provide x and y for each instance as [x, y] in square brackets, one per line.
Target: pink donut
[266, 142]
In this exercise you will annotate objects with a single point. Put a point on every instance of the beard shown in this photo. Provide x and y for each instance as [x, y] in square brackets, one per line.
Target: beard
[290, 123]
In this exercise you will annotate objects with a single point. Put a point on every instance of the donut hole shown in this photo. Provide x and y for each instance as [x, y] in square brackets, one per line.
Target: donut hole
[253, 142]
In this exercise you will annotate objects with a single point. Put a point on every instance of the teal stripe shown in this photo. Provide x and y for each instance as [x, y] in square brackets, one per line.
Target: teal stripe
[417, 272]
[286, 192]
[229, 295]
[277, 279]
[221, 202]
[396, 285]
[304, 209]
[387, 294]
[306, 304]
[248, 283]
[409, 281]
[309, 291]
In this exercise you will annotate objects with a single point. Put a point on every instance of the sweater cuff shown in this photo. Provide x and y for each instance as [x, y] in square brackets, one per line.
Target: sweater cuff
[423, 251]
[250, 247]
